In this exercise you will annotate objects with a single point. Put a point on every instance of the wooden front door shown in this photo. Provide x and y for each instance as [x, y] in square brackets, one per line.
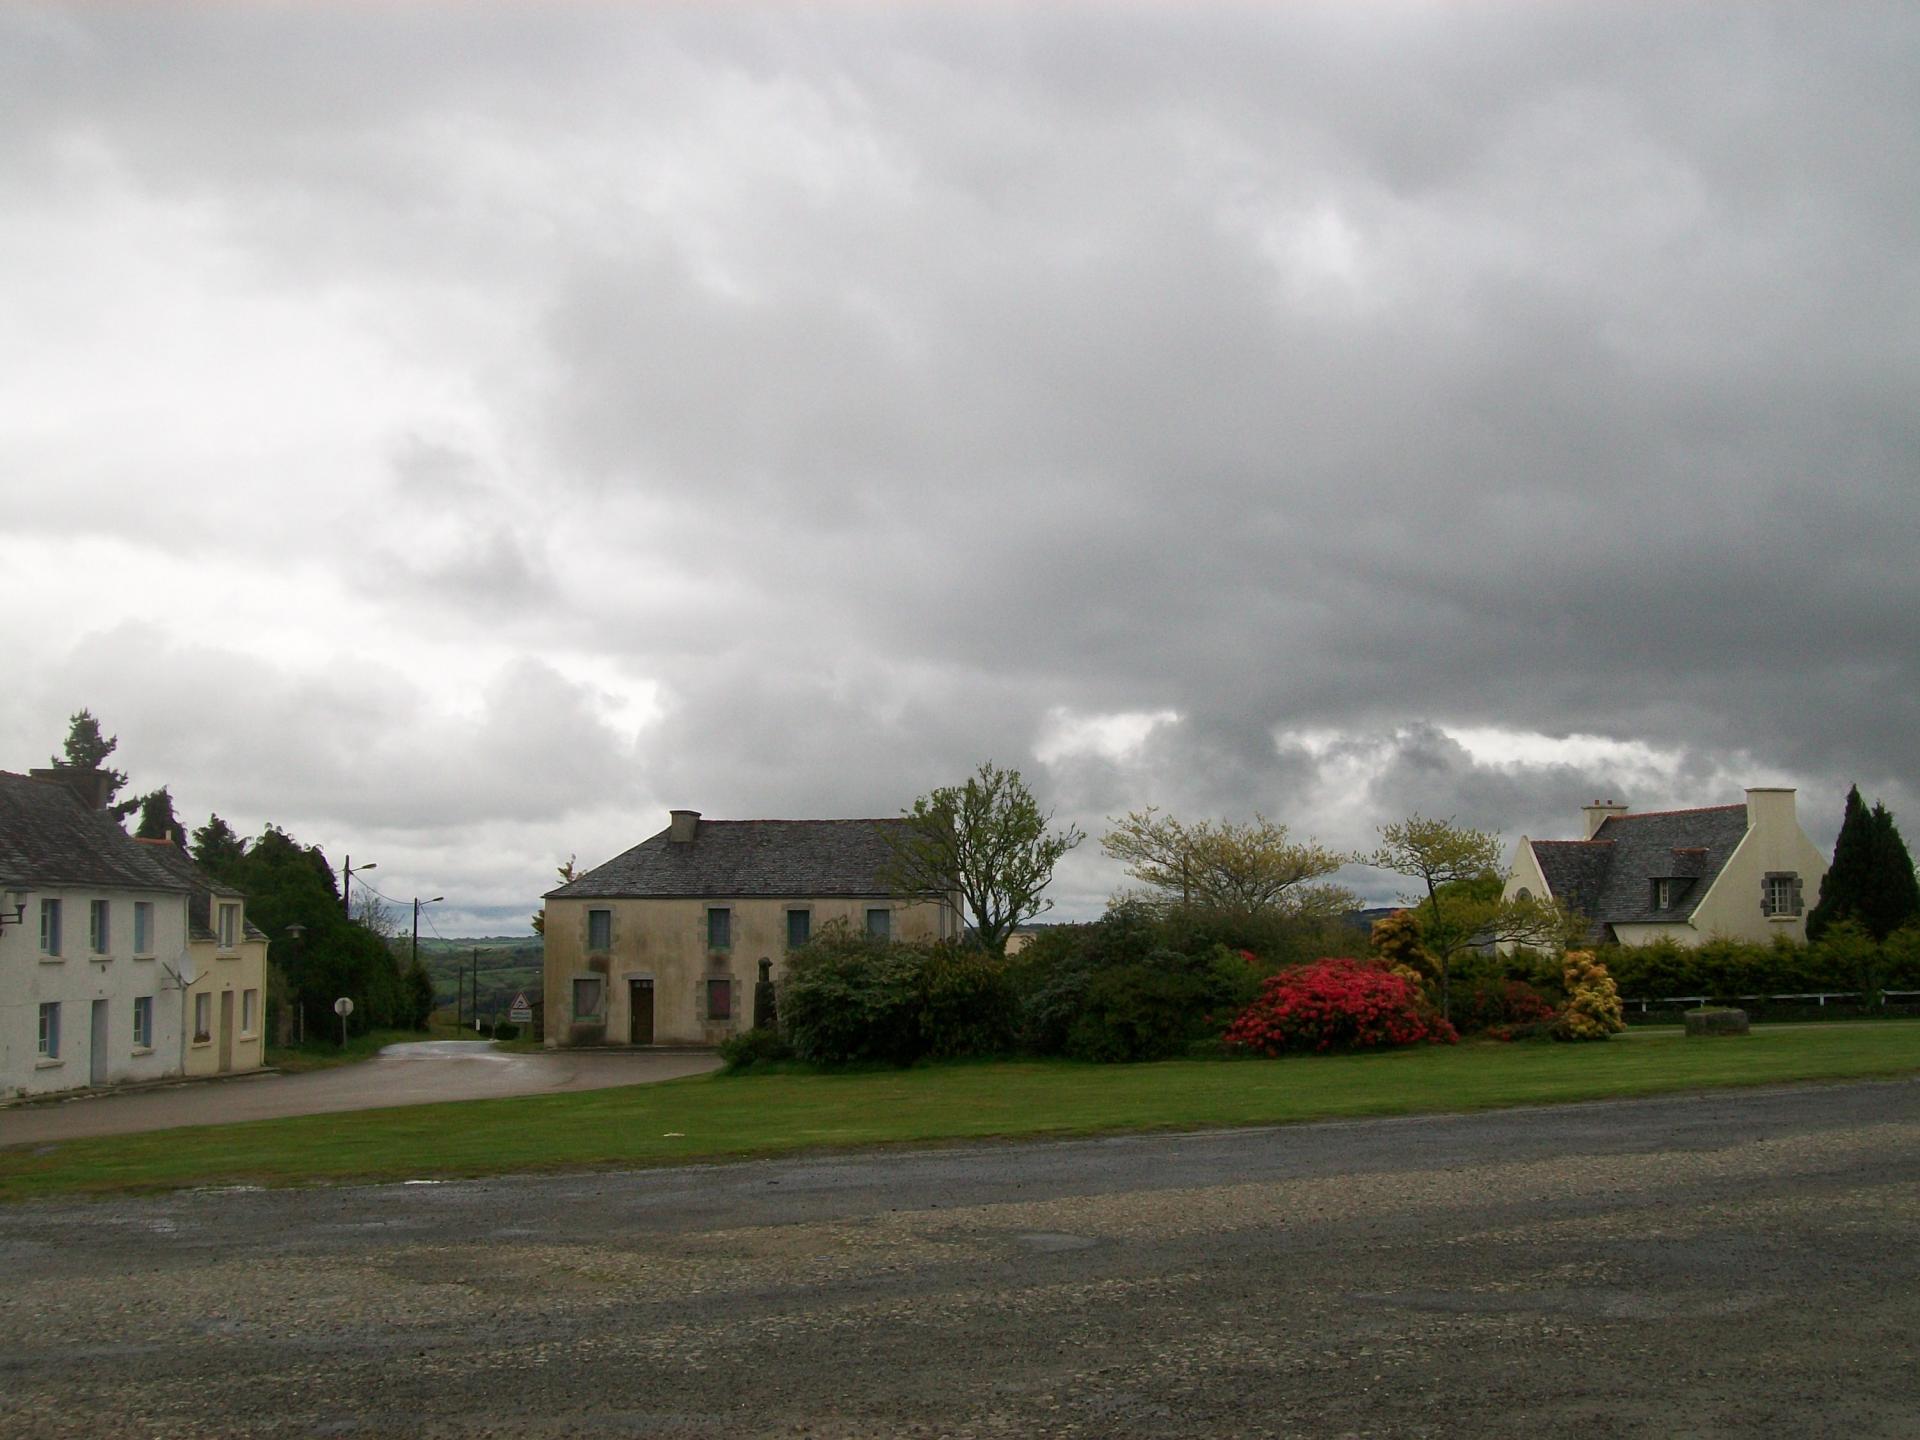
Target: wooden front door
[640, 1011]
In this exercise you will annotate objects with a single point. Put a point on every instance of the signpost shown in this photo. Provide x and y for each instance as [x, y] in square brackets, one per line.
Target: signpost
[520, 1013]
[343, 1007]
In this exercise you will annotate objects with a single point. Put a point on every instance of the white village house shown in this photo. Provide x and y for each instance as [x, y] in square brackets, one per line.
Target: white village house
[1740, 872]
[119, 959]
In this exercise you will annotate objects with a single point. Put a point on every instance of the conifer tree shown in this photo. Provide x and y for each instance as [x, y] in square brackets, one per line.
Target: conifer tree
[1871, 880]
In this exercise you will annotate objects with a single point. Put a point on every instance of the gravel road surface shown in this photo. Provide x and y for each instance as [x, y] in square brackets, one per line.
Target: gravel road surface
[419, 1073]
[1734, 1264]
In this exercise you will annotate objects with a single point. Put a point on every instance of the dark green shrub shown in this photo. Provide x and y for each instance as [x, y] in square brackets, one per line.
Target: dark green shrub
[851, 997]
[753, 1047]
[1138, 1012]
[1512, 1007]
[506, 1030]
[1158, 1007]
[970, 1006]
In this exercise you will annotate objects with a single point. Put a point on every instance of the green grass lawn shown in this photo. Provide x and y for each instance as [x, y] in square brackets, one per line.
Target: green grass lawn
[725, 1116]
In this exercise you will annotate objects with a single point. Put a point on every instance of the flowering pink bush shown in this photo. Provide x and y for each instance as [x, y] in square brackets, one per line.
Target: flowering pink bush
[1337, 1005]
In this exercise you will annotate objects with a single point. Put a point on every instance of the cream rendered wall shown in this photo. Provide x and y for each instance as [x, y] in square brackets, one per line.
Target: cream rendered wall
[77, 978]
[1774, 841]
[666, 941]
[217, 971]
[1524, 874]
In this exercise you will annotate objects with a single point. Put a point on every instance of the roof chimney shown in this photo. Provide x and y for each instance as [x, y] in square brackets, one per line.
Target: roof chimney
[1772, 805]
[683, 826]
[92, 787]
[1599, 812]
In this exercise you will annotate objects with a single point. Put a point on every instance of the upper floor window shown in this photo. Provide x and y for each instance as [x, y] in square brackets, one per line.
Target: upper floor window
[880, 924]
[49, 927]
[143, 927]
[229, 926]
[99, 918]
[1780, 893]
[599, 929]
[719, 928]
[799, 928]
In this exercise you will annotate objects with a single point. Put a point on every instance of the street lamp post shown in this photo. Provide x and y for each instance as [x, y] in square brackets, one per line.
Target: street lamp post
[346, 883]
[296, 930]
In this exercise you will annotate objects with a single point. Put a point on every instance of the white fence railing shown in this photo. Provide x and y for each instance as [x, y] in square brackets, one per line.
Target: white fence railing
[1819, 996]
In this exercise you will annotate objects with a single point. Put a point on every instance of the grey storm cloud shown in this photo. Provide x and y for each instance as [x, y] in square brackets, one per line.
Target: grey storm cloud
[782, 412]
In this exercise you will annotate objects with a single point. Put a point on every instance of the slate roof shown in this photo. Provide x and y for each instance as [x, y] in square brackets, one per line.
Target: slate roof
[186, 869]
[48, 838]
[792, 859]
[1609, 878]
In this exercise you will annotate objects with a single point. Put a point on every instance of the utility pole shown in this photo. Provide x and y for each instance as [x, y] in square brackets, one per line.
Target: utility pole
[476, 989]
[417, 903]
[346, 883]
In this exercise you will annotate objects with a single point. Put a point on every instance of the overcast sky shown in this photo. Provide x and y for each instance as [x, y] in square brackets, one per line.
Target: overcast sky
[458, 435]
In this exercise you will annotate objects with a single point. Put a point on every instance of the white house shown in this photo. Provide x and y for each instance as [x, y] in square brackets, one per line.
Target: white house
[1741, 872]
[98, 966]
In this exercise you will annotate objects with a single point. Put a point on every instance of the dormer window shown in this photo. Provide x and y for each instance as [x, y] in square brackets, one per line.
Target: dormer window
[1662, 894]
[229, 926]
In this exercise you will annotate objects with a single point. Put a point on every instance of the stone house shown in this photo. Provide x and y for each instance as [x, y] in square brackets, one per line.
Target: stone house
[661, 945]
[1742, 872]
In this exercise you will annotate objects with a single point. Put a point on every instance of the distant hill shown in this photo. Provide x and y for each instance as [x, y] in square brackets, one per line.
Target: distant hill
[507, 965]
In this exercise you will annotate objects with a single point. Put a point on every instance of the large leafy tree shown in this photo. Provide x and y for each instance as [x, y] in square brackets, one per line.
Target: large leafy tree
[987, 841]
[87, 748]
[217, 849]
[1459, 906]
[1244, 868]
[288, 884]
[1871, 881]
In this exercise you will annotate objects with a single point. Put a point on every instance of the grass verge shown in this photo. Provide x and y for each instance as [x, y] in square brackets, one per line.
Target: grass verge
[728, 1116]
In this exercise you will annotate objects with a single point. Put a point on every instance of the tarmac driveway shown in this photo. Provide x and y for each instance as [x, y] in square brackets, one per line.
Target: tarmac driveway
[412, 1074]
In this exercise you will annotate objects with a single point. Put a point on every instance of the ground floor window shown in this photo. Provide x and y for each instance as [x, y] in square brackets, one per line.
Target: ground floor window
[249, 1011]
[588, 996]
[143, 1022]
[50, 1031]
[202, 1019]
[720, 998]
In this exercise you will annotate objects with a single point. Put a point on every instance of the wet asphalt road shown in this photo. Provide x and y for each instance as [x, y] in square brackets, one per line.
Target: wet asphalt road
[1737, 1264]
[419, 1073]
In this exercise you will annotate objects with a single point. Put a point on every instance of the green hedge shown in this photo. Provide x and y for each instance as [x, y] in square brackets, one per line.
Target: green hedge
[1845, 960]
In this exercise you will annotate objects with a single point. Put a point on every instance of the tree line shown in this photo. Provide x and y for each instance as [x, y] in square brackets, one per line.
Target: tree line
[318, 953]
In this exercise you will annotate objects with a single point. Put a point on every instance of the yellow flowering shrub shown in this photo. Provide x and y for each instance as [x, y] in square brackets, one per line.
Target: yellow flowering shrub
[1593, 1010]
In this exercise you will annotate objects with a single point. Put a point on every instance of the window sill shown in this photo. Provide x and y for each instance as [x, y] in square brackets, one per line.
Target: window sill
[201, 1042]
[146, 957]
[45, 1064]
[140, 1050]
[1781, 919]
[53, 959]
